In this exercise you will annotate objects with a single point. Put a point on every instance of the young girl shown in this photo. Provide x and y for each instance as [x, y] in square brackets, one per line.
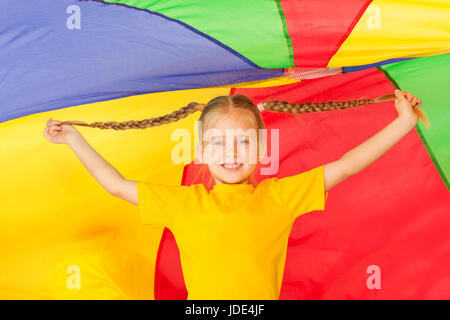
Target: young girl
[233, 238]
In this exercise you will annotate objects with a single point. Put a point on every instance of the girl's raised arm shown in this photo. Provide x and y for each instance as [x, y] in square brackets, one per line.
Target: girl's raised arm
[105, 174]
[367, 152]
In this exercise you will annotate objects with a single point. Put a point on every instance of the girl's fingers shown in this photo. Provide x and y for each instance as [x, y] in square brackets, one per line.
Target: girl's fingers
[409, 96]
[53, 122]
[412, 99]
[54, 128]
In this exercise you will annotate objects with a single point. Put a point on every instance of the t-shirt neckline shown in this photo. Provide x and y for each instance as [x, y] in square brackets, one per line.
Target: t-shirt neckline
[233, 187]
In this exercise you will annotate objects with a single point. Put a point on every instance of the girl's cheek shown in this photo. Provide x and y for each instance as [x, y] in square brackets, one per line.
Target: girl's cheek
[248, 155]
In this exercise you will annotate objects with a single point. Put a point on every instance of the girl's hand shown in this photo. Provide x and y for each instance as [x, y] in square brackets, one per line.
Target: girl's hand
[59, 133]
[405, 104]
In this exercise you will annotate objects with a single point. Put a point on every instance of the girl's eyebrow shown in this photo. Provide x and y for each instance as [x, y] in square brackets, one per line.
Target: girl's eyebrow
[240, 136]
[237, 136]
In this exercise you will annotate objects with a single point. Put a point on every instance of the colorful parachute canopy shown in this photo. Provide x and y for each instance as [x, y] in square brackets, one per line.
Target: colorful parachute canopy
[64, 237]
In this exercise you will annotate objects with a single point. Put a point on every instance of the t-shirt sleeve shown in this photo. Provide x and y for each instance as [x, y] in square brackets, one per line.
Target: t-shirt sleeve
[303, 192]
[160, 204]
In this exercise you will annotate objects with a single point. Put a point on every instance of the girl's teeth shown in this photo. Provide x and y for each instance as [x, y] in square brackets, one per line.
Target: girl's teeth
[231, 166]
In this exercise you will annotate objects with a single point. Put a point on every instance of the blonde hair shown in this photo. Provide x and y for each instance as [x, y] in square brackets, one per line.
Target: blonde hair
[221, 105]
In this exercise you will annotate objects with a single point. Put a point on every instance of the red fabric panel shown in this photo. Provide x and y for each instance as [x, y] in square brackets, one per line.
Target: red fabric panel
[393, 214]
[169, 281]
[318, 28]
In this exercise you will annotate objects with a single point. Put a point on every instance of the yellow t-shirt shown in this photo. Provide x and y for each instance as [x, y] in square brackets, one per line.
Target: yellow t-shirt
[233, 239]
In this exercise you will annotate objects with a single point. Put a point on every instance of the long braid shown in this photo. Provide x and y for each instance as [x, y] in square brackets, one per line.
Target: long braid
[145, 123]
[284, 106]
[268, 105]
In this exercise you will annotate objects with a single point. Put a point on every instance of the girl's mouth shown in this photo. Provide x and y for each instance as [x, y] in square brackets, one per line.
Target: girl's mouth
[232, 166]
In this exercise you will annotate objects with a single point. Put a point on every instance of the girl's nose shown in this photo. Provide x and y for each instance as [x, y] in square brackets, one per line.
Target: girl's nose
[231, 152]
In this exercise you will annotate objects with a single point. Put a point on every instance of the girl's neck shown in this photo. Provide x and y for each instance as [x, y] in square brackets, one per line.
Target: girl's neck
[245, 181]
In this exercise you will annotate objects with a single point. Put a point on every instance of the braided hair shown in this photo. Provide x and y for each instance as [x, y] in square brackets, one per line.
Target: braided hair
[234, 101]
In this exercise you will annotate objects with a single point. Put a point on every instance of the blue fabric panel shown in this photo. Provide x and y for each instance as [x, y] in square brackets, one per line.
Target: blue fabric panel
[117, 52]
[367, 66]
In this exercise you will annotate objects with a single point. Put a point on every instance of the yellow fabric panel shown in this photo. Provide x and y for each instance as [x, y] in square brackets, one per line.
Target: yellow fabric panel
[391, 29]
[62, 235]
[233, 239]
[280, 81]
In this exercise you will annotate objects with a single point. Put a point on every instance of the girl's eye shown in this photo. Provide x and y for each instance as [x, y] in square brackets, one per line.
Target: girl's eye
[219, 143]
[243, 141]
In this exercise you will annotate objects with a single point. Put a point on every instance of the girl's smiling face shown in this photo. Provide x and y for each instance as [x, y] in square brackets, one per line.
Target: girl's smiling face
[230, 147]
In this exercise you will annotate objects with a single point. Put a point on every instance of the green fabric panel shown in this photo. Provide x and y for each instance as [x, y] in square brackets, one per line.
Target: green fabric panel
[255, 29]
[428, 78]
[286, 33]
